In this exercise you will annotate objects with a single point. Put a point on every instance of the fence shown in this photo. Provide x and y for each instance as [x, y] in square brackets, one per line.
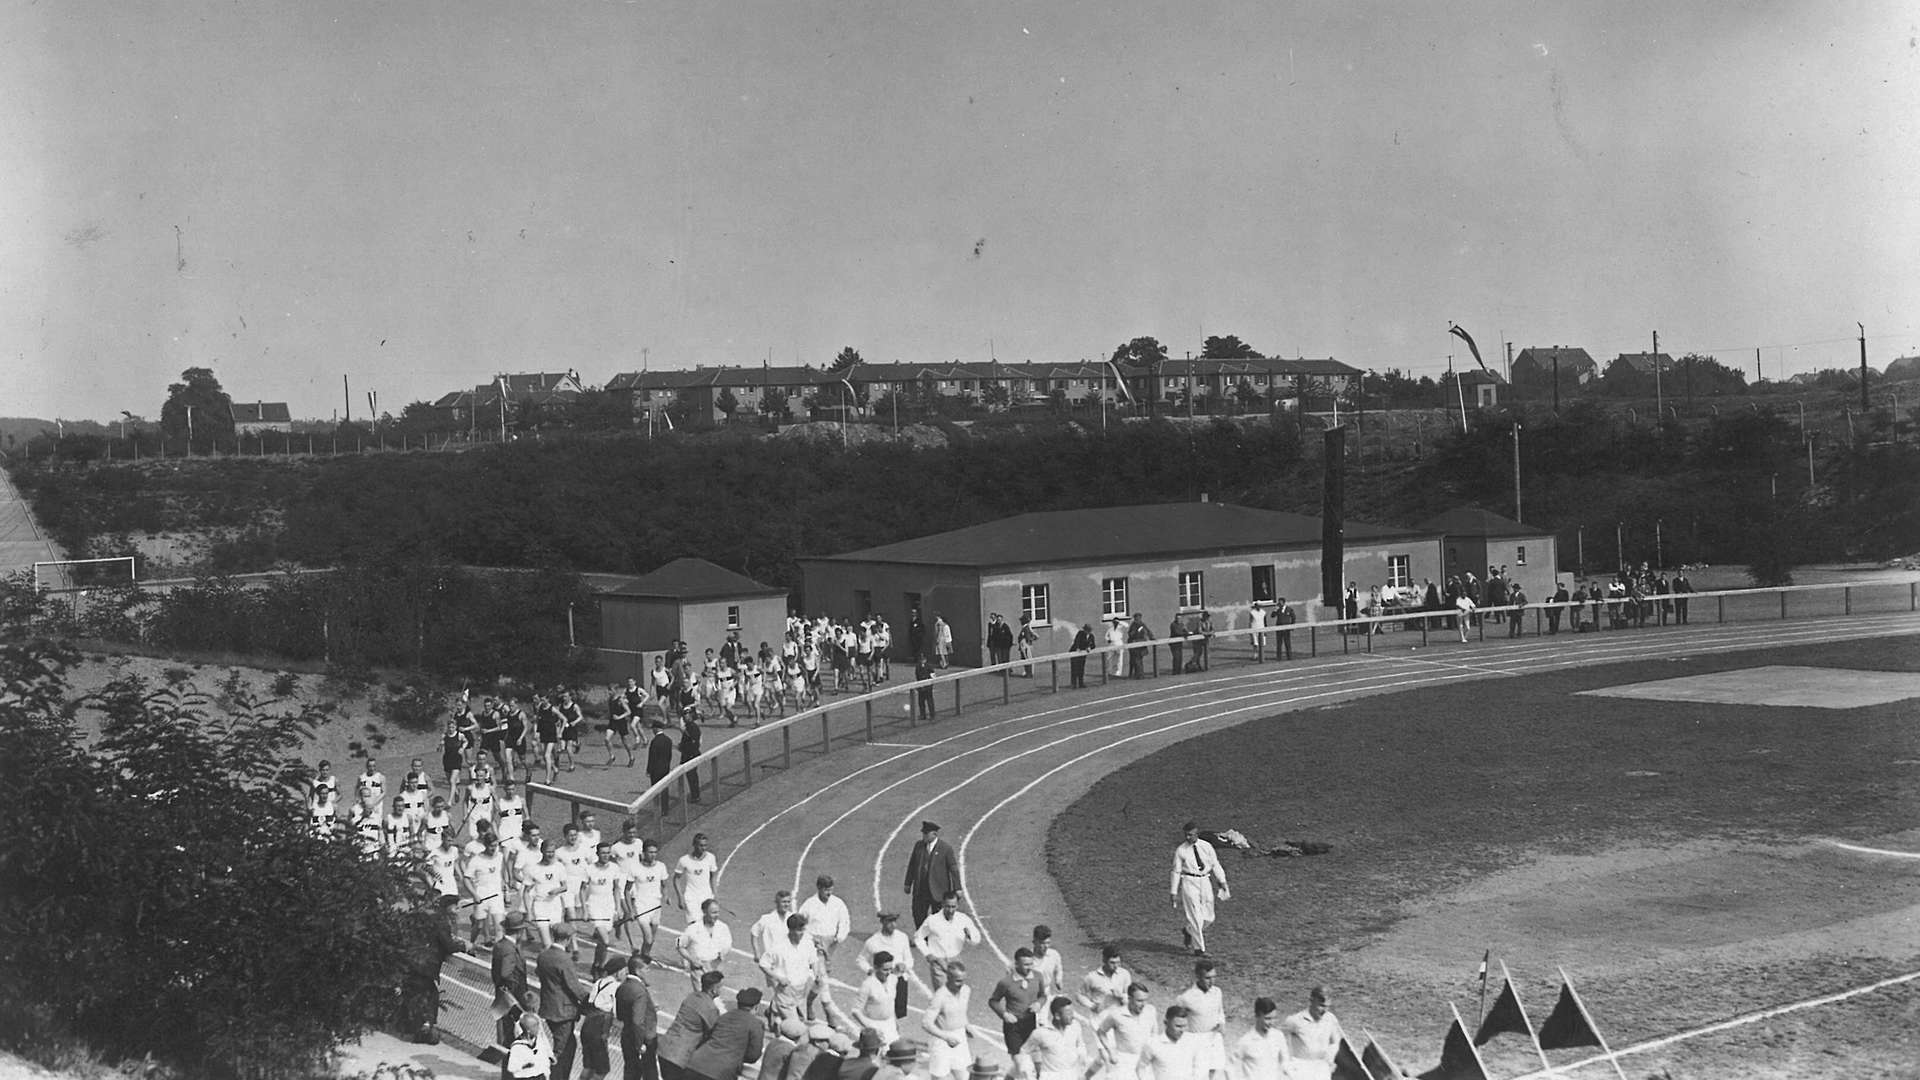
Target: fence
[736, 764]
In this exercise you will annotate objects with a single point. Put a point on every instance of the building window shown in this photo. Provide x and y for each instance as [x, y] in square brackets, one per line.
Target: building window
[733, 616]
[1113, 598]
[1034, 606]
[1520, 555]
[1193, 589]
[1263, 591]
[1400, 571]
[1453, 556]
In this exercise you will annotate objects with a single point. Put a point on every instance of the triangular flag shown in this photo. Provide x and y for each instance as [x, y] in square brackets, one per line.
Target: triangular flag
[1568, 1025]
[1461, 333]
[1376, 1060]
[1347, 1064]
[1119, 381]
[1506, 1015]
[1458, 1059]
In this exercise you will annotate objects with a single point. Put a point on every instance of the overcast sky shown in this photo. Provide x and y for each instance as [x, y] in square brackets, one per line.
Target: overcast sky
[418, 194]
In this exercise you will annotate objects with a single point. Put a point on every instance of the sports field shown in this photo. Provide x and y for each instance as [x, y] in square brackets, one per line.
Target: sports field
[1673, 849]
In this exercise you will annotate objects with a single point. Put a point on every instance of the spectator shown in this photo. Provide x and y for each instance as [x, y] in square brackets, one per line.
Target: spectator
[999, 640]
[1083, 644]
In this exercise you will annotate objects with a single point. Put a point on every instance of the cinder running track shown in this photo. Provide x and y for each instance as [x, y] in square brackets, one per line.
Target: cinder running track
[995, 779]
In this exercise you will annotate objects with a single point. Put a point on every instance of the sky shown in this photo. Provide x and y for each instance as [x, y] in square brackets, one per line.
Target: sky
[415, 194]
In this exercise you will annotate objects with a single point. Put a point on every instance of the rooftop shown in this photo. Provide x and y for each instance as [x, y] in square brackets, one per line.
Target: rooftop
[1473, 521]
[1113, 534]
[691, 579]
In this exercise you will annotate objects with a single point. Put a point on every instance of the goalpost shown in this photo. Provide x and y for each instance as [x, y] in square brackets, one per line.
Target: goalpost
[60, 575]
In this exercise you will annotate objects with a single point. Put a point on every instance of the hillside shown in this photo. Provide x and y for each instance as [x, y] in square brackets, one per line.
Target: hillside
[1717, 488]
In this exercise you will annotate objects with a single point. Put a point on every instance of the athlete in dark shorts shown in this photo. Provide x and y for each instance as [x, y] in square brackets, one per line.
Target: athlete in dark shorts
[493, 733]
[573, 723]
[546, 728]
[515, 741]
[453, 756]
[620, 714]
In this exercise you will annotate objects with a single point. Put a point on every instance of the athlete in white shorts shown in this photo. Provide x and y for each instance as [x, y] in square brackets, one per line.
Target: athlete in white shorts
[486, 880]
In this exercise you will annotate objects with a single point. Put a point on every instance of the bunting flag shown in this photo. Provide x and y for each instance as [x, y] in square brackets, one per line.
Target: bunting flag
[1119, 381]
[1458, 1059]
[1377, 1062]
[1570, 1025]
[1508, 1015]
[1460, 332]
[1347, 1064]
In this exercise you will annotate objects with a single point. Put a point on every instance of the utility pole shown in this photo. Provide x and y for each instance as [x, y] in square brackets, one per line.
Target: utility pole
[1864, 407]
[1516, 473]
[1757, 377]
[1556, 384]
[1509, 363]
[1658, 404]
[348, 391]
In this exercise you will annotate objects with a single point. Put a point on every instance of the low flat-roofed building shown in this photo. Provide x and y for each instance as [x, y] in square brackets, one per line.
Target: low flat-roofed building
[690, 600]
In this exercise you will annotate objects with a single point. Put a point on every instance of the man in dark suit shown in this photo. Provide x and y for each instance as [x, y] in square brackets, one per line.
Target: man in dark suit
[737, 1038]
[933, 870]
[510, 975]
[639, 1024]
[695, 1019]
[660, 760]
[560, 1000]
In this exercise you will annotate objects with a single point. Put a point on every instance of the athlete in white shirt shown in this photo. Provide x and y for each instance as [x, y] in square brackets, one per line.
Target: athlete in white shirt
[509, 813]
[1206, 1016]
[1312, 1039]
[548, 886]
[880, 996]
[1057, 1047]
[649, 877]
[942, 937]
[486, 878]
[949, 1054]
[1123, 1032]
[1257, 1054]
[696, 878]
[443, 867]
[770, 927]
[1105, 986]
[889, 939]
[1172, 1054]
[604, 898]
[828, 923]
[323, 800]
[789, 963]
[1047, 964]
[706, 943]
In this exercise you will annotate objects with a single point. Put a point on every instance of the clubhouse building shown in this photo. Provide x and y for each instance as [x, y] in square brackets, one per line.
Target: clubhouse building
[1067, 568]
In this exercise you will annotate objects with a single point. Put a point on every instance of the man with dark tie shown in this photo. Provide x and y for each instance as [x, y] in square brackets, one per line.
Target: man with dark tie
[933, 870]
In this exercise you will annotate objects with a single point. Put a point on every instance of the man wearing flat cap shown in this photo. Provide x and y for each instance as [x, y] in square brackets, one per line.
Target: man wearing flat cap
[737, 1038]
[933, 870]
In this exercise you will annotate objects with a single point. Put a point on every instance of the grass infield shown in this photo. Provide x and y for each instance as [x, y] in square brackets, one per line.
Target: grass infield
[1672, 856]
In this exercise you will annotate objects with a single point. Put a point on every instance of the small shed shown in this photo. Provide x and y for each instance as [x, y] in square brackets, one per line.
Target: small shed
[690, 600]
[1476, 539]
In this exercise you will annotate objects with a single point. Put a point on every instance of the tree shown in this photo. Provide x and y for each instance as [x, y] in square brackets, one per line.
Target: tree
[996, 396]
[845, 362]
[165, 893]
[1248, 398]
[775, 404]
[1227, 348]
[726, 402]
[1149, 353]
[197, 407]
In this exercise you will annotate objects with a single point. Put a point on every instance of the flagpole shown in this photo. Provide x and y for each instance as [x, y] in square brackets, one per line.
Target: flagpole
[1604, 1048]
[1468, 1040]
[1484, 957]
[1531, 1036]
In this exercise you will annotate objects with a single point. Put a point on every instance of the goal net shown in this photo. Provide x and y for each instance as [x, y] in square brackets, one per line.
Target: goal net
[58, 574]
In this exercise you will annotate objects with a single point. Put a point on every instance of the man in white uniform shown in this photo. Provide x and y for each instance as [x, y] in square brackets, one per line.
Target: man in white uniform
[949, 1053]
[1057, 1048]
[790, 962]
[1312, 1038]
[1047, 963]
[1172, 1054]
[1206, 1017]
[1105, 986]
[1196, 869]
[1258, 1053]
[828, 924]
[880, 996]
[603, 899]
[706, 943]
[649, 876]
[696, 878]
[485, 873]
[770, 928]
[942, 937]
[1123, 1032]
[889, 939]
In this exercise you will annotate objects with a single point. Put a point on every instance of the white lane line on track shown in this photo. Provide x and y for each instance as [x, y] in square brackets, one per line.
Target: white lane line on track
[1887, 852]
[1724, 1025]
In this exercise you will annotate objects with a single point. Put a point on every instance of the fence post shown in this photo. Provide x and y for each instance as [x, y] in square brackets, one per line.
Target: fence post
[1006, 687]
[1783, 603]
[1846, 596]
[713, 781]
[1103, 669]
[746, 760]
[826, 734]
[913, 711]
[1313, 641]
[1423, 630]
[869, 719]
[1723, 608]
[1055, 664]
[1370, 629]
[956, 697]
[786, 747]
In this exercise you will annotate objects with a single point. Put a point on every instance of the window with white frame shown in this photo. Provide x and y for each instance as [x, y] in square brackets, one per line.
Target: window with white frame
[1034, 605]
[1263, 584]
[1193, 589]
[1400, 571]
[1520, 555]
[733, 616]
[1113, 597]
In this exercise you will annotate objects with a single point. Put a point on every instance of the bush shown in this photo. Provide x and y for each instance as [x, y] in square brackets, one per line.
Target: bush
[417, 708]
[164, 893]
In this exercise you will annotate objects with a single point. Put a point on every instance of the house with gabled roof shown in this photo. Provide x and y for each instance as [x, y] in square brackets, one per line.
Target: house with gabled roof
[688, 599]
[1063, 569]
[254, 417]
[510, 397]
[1538, 369]
[1476, 539]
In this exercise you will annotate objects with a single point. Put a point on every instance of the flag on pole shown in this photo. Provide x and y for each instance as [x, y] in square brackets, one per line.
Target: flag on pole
[1120, 382]
[1458, 1058]
[1375, 1058]
[1347, 1064]
[1460, 332]
[1570, 1025]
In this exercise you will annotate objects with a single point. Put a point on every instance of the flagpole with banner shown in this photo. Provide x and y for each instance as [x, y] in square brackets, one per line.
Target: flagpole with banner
[1376, 1059]
[1570, 1025]
[1484, 957]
